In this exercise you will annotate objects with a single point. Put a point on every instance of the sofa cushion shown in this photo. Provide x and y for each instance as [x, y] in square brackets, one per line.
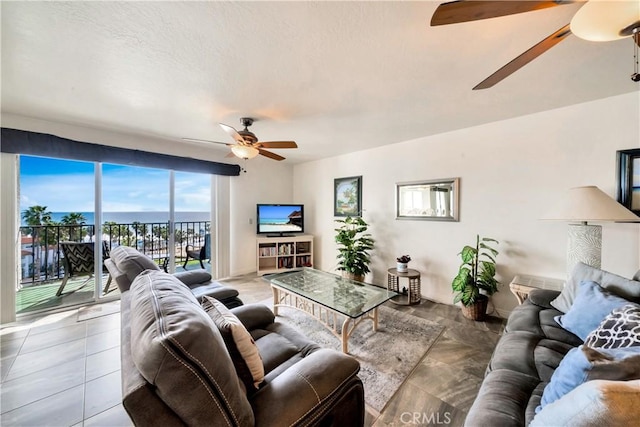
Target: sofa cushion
[591, 306]
[621, 328]
[242, 349]
[583, 364]
[594, 403]
[501, 399]
[529, 354]
[178, 349]
[533, 317]
[626, 288]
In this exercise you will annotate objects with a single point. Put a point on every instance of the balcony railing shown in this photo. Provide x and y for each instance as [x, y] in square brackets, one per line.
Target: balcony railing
[41, 254]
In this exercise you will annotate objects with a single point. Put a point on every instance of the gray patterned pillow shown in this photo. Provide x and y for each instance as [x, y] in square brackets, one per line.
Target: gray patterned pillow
[620, 329]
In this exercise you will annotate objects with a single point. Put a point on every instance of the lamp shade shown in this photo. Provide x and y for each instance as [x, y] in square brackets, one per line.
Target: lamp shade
[244, 151]
[602, 21]
[589, 204]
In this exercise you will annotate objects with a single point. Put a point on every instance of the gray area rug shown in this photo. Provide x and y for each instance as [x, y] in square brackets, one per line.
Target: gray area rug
[386, 357]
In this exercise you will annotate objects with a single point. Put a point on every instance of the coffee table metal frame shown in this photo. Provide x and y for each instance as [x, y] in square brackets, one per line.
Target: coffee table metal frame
[349, 304]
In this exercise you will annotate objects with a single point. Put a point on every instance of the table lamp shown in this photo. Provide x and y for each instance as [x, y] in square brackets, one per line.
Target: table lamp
[580, 206]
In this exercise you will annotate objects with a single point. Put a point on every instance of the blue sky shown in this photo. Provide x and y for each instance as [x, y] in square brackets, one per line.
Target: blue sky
[68, 186]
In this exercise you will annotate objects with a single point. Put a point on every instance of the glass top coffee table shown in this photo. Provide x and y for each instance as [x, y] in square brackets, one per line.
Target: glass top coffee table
[338, 303]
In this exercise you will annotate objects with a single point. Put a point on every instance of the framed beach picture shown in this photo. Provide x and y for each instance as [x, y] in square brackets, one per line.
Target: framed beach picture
[628, 177]
[347, 196]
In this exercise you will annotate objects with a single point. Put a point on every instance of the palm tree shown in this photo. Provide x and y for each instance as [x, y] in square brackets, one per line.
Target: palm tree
[36, 216]
[73, 219]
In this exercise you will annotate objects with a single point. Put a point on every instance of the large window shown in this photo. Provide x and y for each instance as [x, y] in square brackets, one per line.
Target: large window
[135, 206]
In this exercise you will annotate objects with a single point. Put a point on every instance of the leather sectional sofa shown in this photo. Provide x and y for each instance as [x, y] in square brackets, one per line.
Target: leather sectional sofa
[177, 370]
[125, 264]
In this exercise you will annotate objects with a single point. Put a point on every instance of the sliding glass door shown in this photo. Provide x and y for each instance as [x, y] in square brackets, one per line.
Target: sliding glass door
[57, 232]
[72, 210]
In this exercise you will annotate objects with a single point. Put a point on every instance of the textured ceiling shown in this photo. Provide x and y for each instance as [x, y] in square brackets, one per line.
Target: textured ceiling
[336, 77]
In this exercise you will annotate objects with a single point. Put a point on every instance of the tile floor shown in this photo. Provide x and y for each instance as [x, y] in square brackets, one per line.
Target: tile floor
[64, 369]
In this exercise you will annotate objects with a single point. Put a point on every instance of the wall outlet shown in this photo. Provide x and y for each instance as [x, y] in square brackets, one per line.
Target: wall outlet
[250, 221]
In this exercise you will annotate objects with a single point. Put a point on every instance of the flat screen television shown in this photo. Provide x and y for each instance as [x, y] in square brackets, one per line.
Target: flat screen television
[280, 220]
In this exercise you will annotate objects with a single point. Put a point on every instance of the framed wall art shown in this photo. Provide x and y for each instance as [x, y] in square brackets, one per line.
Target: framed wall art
[347, 196]
[435, 200]
[628, 177]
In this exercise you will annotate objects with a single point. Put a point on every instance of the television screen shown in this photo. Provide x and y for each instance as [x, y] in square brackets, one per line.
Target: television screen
[280, 219]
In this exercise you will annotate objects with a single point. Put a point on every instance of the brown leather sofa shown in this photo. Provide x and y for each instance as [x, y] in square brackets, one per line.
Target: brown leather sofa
[176, 369]
[125, 264]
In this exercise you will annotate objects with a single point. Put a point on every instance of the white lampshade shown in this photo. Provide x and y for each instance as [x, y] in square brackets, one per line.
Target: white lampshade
[244, 151]
[582, 205]
[589, 204]
[606, 20]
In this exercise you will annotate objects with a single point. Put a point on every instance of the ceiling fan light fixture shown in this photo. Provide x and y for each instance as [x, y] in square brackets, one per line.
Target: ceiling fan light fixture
[244, 151]
[602, 21]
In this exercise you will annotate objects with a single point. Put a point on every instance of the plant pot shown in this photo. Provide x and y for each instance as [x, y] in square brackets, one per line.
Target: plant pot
[403, 267]
[478, 310]
[352, 276]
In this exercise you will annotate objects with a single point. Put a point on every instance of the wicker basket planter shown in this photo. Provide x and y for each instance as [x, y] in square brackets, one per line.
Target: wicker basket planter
[478, 310]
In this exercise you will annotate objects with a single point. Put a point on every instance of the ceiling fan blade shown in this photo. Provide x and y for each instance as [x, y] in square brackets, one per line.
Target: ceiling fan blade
[234, 133]
[278, 144]
[206, 140]
[465, 11]
[270, 155]
[525, 58]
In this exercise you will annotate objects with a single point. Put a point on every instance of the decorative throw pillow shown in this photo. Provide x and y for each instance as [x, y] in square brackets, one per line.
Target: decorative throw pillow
[242, 349]
[591, 306]
[628, 289]
[621, 328]
[594, 403]
[582, 364]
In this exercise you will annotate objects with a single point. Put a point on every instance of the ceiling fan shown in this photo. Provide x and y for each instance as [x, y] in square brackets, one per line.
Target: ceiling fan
[247, 145]
[594, 21]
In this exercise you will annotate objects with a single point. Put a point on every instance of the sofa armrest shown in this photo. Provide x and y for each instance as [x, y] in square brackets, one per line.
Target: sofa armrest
[193, 277]
[306, 389]
[543, 297]
[254, 316]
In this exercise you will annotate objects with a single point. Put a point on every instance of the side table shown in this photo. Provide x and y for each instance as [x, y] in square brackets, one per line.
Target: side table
[522, 284]
[413, 292]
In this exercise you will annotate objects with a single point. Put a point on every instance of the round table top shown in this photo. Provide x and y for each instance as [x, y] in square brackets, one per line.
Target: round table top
[409, 273]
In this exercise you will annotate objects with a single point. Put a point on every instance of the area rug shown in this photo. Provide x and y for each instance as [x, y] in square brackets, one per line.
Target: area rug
[386, 357]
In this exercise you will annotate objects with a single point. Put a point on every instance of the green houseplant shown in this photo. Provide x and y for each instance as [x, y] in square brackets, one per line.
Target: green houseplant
[477, 273]
[354, 244]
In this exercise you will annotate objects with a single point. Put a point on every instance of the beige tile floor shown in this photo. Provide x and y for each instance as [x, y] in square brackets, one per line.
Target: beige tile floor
[63, 369]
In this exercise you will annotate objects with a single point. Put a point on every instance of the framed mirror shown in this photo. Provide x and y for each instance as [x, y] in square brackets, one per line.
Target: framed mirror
[435, 200]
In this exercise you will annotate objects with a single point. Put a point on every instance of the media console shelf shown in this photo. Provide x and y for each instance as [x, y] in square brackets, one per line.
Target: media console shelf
[278, 254]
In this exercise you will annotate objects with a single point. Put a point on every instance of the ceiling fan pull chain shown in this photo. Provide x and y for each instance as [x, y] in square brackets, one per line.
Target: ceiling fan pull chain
[636, 44]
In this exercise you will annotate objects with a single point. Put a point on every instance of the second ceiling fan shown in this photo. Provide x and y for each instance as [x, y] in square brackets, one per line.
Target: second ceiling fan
[247, 145]
[622, 20]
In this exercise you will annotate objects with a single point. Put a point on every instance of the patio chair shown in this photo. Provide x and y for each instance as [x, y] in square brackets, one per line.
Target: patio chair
[200, 254]
[79, 261]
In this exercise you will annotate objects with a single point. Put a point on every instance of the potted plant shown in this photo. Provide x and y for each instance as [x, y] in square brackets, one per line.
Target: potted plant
[403, 262]
[476, 274]
[354, 244]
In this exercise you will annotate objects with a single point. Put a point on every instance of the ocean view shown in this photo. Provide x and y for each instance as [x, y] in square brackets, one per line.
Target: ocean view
[129, 217]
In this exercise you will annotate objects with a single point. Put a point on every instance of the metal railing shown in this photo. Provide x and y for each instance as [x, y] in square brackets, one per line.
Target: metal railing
[41, 254]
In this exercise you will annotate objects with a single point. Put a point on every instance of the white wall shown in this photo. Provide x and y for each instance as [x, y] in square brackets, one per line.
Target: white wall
[265, 181]
[511, 172]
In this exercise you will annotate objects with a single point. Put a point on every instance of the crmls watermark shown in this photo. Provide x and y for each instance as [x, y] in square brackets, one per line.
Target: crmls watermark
[422, 418]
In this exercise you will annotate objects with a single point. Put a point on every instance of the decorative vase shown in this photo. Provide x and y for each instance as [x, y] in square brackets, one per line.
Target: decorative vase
[478, 310]
[403, 267]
